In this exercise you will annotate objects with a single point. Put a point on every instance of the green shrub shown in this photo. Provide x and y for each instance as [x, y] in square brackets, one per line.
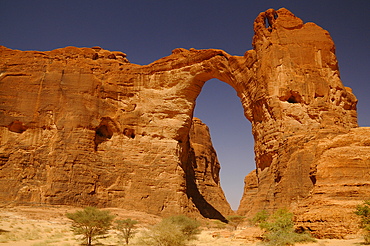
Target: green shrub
[126, 228]
[218, 224]
[90, 223]
[20, 234]
[279, 228]
[189, 227]
[235, 220]
[260, 217]
[172, 231]
[363, 211]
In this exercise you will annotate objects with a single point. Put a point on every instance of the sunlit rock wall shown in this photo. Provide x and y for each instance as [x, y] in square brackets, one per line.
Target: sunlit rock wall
[83, 126]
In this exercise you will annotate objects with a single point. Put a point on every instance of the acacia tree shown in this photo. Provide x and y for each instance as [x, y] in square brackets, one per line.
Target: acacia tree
[172, 231]
[90, 223]
[364, 212]
[127, 228]
[235, 220]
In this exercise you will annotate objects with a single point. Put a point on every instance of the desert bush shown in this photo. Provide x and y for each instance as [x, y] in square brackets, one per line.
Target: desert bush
[363, 210]
[189, 227]
[218, 224]
[235, 220]
[259, 218]
[58, 234]
[172, 231]
[279, 228]
[126, 229]
[90, 223]
[20, 234]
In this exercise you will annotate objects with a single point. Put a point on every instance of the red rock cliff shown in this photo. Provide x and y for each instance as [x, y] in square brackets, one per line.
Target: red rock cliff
[83, 126]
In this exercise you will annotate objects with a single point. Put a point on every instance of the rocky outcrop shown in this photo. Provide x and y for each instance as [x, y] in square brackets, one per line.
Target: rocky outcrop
[340, 175]
[302, 109]
[83, 126]
[203, 173]
[342, 180]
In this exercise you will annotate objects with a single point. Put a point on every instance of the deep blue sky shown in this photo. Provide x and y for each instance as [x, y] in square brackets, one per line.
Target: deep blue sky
[148, 30]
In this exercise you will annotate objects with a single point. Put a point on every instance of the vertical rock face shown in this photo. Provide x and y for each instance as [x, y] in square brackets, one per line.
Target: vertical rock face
[83, 126]
[300, 108]
[203, 173]
[342, 180]
[299, 86]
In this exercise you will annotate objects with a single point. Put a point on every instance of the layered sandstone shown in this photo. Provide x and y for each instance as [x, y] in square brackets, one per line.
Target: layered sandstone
[307, 107]
[203, 163]
[83, 126]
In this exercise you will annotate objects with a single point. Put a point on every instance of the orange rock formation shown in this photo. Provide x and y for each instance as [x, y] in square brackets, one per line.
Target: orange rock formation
[83, 126]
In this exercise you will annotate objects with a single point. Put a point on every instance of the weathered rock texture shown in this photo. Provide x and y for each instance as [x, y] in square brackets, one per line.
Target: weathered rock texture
[83, 126]
[204, 164]
[86, 127]
[301, 117]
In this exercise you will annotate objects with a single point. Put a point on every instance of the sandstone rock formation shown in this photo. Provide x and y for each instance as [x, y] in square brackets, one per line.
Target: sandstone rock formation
[204, 164]
[303, 109]
[83, 126]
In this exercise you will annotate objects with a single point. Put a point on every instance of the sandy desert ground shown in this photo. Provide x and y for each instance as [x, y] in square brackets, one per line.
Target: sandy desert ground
[48, 226]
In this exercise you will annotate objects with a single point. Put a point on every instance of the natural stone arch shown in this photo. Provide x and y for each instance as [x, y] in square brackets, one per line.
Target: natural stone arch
[285, 92]
[288, 84]
[204, 161]
[209, 199]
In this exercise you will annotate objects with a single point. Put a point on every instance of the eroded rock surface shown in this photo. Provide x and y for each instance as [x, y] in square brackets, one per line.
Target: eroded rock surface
[203, 173]
[83, 126]
[307, 107]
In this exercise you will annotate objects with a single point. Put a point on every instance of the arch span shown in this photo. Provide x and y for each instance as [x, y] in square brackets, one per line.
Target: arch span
[231, 136]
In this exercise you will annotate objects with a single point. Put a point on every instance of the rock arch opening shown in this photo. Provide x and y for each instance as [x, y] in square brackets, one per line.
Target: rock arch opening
[231, 136]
